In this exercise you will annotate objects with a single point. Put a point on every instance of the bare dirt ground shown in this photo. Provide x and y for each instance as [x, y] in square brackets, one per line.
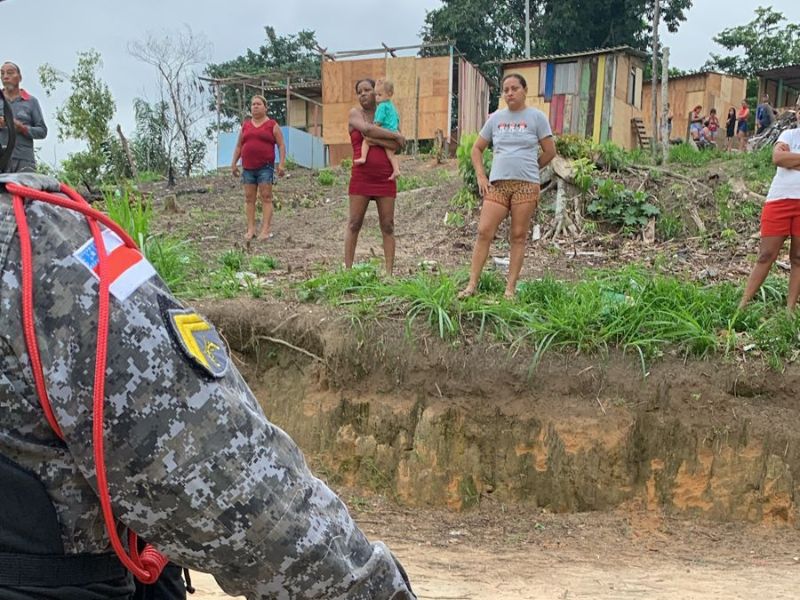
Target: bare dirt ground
[310, 220]
[500, 553]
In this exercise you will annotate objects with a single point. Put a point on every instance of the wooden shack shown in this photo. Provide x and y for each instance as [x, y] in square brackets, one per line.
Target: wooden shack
[782, 84]
[709, 89]
[594, 94]
[436, 96]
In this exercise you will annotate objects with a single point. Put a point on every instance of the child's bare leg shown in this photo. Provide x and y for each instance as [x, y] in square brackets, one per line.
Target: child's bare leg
[364, 150]
[395, 163]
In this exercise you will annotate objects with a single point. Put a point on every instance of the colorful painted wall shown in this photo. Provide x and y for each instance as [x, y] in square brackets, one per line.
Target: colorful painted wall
[592, 96]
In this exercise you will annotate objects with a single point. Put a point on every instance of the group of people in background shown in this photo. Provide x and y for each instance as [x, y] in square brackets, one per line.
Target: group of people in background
[704, 129]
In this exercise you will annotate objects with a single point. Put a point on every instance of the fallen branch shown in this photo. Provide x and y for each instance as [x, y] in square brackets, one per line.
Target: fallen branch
[275, 340]
[669, 173]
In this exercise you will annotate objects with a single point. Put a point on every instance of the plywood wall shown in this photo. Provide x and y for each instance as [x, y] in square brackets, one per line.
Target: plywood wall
[420, 114]
[710, 90]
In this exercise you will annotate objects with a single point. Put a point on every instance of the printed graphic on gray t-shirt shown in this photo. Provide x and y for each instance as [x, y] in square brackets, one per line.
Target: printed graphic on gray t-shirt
[515, 140]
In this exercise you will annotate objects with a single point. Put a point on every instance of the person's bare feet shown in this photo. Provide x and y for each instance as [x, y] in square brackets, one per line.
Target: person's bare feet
[249, 235]
[264, 235]
[466, 293]
[510, 294]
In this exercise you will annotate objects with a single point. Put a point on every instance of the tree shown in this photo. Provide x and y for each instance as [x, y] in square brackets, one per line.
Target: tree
[174, 57]
[152, 145]
[763, 43]
[295, 56]
[495, 32]
[85, 115]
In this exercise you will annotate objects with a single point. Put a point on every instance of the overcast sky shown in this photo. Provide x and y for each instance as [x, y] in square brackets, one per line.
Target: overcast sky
[53, 31]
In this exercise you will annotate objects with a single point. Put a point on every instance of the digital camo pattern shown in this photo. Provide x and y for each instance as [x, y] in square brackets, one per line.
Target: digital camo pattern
[193, 465]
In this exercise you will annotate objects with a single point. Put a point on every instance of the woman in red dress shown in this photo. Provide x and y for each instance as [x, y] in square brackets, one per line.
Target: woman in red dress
[370, 181]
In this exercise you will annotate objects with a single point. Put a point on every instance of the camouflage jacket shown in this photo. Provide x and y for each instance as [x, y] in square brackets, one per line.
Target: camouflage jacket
[193, 464]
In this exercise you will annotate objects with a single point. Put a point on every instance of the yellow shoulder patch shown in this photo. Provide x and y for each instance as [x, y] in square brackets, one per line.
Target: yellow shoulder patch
[199, 341]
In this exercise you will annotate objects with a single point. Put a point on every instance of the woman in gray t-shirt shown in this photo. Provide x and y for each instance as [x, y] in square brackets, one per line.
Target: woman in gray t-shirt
[516, 134]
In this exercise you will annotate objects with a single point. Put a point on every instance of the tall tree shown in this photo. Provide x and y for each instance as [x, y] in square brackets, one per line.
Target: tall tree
[85, 115]
[175, 55]
[494, 32]
[763, 43]
[294, 55]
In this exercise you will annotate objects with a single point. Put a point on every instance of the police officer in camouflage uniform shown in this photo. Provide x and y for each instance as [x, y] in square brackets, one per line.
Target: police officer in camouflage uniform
[193, 465]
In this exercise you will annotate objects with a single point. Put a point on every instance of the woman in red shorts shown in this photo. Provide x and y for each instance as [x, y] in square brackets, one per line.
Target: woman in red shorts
[780, 218]
[370, 181]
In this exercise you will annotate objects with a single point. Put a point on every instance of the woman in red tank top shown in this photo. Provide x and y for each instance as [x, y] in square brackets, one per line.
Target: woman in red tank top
[256, 147]
[370, 181]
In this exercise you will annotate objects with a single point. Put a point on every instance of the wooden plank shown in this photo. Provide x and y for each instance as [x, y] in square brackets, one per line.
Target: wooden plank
[598, 98]
[608, 97]
[623, 72]
[338, 152]
[298, 113]
[583, 93]
[569, 102]
[335, 118]
[550, 80]
[593, 68]
[542, 78]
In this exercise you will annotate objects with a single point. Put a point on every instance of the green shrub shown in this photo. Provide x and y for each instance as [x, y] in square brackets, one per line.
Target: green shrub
[584, 170]
[409, 182]
[613, 157]
[346, 164]
[575, 147]
[233, 259]
[262, 264]
[618, 205]
[326, 177]
[465, 167]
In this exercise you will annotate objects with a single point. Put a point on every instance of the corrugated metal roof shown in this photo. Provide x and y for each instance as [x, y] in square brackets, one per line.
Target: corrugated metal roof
[556, 57]
[698, 74]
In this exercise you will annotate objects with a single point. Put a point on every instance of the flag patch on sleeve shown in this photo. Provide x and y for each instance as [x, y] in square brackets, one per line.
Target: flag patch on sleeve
[127, 268]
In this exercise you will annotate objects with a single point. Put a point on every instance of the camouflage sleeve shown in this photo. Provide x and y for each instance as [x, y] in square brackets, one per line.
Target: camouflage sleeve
[194, 466]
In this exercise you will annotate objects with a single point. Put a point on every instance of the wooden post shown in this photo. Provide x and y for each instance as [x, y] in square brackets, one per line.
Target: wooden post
[127, 149]
[416, 120]
[664, 103]
[218, 94]
[654, 85]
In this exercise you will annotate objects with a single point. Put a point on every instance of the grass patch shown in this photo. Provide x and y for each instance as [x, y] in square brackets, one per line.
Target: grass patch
[630, 309]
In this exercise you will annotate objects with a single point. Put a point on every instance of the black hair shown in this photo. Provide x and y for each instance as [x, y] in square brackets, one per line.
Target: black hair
[517, 76]
[360, 81]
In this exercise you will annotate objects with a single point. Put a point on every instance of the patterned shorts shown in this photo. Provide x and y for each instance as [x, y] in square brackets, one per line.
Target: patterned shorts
[510, 192]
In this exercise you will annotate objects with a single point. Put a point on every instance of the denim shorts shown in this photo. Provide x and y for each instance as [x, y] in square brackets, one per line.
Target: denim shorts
[265, 174]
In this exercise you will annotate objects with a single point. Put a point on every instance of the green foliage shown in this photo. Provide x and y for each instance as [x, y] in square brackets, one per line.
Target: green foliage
[632, 309]
[465, 166]
[454, 219]
[613, 157]
[85, 115]
[346, 164]
[575, 147]
[764, 43]
[233, 259]
[759, 169]
[669, 226]
[326, 177]
[151, 146]
[263, 264]
[464, 200]
[409, 182]
[291, 164]
[686, 154]
[172, 258]
[621, 206]
[295, 53]
[584, 170]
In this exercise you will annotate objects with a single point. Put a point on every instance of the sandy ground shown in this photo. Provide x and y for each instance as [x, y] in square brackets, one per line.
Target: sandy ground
[493, 555]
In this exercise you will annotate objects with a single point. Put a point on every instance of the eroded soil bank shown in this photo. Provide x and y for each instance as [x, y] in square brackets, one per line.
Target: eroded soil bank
[456, 425]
